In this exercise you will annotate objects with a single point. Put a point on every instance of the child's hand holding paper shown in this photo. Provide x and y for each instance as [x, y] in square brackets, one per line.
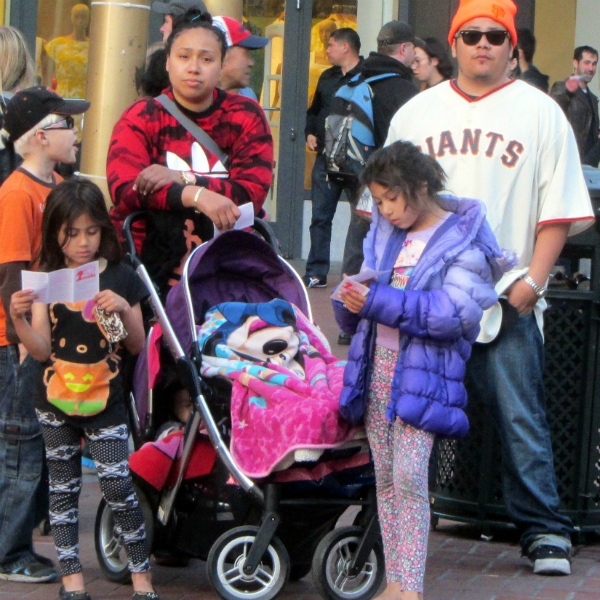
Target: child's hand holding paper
[21, 303]
[353, 290]
[353, 295]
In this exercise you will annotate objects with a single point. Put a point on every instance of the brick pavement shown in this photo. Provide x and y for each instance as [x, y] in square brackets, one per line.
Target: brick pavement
[461, 566]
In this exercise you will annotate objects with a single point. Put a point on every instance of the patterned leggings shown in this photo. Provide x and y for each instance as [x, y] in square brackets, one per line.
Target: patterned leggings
[401, 456]
[108, 447]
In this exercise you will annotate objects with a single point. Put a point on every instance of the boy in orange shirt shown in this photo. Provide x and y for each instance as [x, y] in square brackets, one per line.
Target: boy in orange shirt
[40, 125]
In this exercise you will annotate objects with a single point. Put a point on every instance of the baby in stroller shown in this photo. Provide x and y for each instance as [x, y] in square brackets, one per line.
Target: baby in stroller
[176, 400]
[255, 524]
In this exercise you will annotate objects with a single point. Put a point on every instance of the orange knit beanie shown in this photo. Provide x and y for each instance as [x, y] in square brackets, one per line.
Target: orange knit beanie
[501, 11]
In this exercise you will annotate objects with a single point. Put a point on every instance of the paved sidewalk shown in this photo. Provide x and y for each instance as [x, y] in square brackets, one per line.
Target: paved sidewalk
[461, 566]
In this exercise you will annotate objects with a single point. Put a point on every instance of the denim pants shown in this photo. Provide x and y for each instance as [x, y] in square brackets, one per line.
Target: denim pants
[353, 248]
[508, 376]
[21, 449]
[325, 196]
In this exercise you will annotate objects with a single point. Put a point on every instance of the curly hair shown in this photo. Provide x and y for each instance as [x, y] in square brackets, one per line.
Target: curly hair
[403, 167]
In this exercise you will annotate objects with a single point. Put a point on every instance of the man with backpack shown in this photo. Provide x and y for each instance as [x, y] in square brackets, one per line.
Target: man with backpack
[395, 55]
[343, 53]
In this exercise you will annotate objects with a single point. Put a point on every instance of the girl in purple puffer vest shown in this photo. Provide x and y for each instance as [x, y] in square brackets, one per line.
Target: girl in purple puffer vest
[413, 332]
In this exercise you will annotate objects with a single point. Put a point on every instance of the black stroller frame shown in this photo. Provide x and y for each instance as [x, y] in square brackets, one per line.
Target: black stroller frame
[249, 561]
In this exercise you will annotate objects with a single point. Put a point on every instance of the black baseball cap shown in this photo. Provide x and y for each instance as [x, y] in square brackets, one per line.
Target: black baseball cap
[178, 7]
[395, 32]
[28, 107]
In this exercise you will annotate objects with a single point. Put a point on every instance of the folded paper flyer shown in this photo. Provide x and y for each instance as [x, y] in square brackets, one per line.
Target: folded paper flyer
[64, 285]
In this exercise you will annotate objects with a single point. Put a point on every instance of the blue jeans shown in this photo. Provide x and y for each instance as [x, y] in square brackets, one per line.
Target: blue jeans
[353, 248]
[325, 196]
[21, 448]
[508, 376]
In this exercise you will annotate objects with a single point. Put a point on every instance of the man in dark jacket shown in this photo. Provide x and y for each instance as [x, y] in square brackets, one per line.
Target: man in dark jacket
[343, 53]
[579, 103]
[529, 72]
[395, 54]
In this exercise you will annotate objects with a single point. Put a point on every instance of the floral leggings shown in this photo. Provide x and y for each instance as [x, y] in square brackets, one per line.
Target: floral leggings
[108, 447]
[401, 455]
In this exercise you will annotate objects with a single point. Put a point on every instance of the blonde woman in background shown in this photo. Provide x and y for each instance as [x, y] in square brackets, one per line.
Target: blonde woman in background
[17, 71]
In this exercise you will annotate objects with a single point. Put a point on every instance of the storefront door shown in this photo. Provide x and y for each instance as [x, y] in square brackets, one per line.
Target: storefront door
[293, 62]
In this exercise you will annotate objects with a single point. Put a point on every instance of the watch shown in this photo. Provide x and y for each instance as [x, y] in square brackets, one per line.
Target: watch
[540, 291]
[188, 178]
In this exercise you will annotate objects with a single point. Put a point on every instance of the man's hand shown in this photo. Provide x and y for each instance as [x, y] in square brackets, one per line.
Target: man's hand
[522, 297]
[311, 141]
[154, 178]
[572, 83]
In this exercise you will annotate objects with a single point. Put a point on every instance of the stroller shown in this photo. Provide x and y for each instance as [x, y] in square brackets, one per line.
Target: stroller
[253, 534]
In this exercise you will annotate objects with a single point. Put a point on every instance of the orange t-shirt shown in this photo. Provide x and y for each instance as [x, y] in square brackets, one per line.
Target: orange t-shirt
[22, 201]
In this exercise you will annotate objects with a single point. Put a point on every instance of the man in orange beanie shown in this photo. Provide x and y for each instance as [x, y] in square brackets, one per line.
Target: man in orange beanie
[489, 133]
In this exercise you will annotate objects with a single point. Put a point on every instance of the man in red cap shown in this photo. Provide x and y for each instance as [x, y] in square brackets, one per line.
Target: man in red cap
[238, 62]
[508, 144]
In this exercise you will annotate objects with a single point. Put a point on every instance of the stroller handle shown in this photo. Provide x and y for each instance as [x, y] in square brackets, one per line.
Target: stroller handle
[261, 227]
[138, 215]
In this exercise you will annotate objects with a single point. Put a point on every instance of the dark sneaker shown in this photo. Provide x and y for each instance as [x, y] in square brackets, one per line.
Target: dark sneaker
[312, 281]
[344, 339]
[80, 595]
[550, 560]
[32, 571]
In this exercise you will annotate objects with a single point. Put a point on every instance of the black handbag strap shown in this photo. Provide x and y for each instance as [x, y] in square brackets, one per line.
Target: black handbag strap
[196, 131]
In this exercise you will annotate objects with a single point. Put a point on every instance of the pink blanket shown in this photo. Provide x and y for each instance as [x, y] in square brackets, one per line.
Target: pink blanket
[286, 382]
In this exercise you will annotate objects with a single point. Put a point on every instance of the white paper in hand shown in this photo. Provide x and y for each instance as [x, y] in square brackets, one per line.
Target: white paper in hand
[246, 218]
[355, 282]
[64, 285]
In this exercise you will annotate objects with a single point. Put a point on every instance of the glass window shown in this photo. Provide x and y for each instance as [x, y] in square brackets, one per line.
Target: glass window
[266, 18]
[62, 46]
[327, 17]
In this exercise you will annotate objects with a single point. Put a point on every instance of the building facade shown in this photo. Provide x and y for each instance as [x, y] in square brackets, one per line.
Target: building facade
[92, 49]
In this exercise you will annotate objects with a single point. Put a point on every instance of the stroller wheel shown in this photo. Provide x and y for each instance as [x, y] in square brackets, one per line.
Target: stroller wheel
[109, 549]
[226, 560]
[331, 565]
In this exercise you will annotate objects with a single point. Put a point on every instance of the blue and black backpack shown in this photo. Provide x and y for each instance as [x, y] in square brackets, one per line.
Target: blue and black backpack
[349, 139]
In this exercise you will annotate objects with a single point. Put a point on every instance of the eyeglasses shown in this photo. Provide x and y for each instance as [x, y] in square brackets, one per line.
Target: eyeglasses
[495, 37]
[66, 123]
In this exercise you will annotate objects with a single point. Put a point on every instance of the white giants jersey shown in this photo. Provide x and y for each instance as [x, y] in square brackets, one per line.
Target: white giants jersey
[513, 149]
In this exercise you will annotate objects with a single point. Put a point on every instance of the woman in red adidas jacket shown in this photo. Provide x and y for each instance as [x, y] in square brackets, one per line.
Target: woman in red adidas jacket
[155, 164]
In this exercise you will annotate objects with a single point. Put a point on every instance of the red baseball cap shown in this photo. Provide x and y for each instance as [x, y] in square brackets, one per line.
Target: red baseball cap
[236, 35]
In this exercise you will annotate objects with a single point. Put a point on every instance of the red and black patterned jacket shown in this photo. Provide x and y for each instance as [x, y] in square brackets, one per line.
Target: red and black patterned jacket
[143, 136]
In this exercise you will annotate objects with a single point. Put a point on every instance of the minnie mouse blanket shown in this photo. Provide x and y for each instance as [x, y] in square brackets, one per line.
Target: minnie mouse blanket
[286, 382]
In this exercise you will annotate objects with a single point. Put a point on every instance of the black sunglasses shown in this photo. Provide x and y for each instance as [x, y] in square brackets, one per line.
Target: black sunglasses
[66, 123]
[495, 37]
